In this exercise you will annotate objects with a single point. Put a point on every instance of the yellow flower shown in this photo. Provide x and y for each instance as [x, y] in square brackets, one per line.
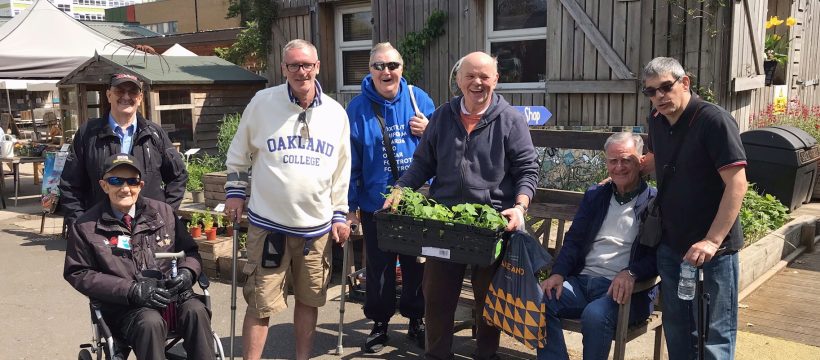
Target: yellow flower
[776, 37]
[775, 20]
[791, 21]
[769, 25]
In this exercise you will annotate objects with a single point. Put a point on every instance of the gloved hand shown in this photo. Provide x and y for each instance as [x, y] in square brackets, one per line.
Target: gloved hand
[181, 283]
[145, 293]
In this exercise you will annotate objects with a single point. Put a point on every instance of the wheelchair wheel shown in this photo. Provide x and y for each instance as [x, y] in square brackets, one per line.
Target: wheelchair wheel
[85, 355]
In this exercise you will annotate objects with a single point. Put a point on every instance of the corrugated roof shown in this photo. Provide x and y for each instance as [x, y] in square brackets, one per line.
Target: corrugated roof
[114, 30]
[153, 69]
[120, 31]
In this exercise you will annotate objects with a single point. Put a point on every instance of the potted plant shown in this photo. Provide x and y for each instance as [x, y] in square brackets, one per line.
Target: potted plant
[193, 226]
[194, 185]
[776, 49]
[208, 224]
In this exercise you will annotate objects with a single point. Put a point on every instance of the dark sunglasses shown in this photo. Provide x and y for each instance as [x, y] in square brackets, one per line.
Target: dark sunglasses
[305, 130]
[665, 88]
[118, 181]
[379, 66]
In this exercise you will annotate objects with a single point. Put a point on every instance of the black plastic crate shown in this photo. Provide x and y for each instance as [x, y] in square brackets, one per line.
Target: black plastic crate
[458, 243]
[399, 234]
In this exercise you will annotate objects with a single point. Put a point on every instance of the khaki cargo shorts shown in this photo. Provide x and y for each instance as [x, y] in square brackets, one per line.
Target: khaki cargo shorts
[265, 289]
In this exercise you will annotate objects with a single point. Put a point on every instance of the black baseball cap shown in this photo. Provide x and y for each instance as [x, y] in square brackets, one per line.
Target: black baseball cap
[121, 78]
[118, 160]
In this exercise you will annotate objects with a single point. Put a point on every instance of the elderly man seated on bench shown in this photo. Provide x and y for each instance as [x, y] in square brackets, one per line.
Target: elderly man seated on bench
[110, 258]
[601, 259]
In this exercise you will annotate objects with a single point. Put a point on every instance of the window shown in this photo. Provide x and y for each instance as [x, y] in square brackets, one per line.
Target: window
[516, 35]
[64, 7]
[354, 37]
[176, 117]
[165, 28]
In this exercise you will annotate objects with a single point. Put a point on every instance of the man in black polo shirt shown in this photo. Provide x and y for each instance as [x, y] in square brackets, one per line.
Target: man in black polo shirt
[699, 206]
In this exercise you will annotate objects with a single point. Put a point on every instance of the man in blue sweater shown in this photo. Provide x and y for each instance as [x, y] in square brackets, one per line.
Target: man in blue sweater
[601, 259]
[387, 105]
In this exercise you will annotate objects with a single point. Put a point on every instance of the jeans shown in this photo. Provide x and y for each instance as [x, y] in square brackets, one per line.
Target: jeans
[380, 294]
[720, 281]
[585, 297]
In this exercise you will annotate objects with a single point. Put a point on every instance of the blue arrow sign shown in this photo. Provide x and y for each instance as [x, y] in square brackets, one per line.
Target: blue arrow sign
[536, 115]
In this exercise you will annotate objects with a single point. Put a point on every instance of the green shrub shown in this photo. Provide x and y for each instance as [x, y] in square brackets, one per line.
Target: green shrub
[227, 130]
[200, 166]
[760, 215]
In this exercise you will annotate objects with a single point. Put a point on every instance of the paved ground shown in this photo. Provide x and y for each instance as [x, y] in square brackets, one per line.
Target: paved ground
[42, 317]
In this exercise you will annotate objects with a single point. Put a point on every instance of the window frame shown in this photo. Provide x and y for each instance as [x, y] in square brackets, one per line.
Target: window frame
[492, 36]
[342, 46]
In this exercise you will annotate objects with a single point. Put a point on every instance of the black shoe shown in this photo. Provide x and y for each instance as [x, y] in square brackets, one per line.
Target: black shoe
[377, 338]
[417, 332]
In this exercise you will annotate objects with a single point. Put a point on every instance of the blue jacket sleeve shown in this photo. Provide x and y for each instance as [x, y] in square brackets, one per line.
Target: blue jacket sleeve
[354, 116]
[424, 162]
[522, 155]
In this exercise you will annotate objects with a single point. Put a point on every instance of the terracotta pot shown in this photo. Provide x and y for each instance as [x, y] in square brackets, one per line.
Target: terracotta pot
[210, 234]
[195, 231]
[229, 231]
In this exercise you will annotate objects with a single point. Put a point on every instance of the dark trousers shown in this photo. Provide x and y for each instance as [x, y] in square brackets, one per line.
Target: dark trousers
[380, 301]
[144, 330]
[442, 285]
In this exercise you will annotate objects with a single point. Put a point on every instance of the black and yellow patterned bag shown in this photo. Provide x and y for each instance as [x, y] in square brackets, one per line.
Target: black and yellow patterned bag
[514, 302]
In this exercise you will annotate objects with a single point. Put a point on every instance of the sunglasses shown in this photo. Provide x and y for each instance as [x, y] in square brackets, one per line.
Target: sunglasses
[305, 130]
[295, 67]
[379, 66]
[118, 181]
[665, 89]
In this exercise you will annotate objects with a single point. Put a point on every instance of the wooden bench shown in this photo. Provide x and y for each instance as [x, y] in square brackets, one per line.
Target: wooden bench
[551, 212]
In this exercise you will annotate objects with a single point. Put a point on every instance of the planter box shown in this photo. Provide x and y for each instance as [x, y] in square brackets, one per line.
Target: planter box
[211, 252]
[225, 270]
[214, 186]
[764, 254]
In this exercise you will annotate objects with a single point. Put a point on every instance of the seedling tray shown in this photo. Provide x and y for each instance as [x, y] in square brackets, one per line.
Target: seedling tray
[458, 243]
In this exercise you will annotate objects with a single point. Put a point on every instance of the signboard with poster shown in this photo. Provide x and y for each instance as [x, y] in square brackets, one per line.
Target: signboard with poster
[52, 170]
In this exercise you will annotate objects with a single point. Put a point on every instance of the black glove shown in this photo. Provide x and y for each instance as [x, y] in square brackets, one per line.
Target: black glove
[181, 283]
[145, 293]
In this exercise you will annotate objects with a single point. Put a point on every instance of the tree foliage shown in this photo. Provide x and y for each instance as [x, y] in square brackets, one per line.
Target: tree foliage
[252, 43]
[413, 45]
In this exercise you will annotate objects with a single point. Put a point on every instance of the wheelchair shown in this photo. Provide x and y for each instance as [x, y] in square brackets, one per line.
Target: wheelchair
[104, 345]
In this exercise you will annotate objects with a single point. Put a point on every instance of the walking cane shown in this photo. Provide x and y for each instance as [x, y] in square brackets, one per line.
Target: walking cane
[233, 282]
[345, 253]
[703, 315]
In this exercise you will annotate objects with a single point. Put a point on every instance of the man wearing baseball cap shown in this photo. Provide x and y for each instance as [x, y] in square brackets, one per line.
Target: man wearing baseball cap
[110, 259]
[121, 130]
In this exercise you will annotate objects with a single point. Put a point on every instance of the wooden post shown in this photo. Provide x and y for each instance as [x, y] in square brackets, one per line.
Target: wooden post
[807, 236]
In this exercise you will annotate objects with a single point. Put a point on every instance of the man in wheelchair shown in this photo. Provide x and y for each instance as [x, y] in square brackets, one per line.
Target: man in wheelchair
[110, 259]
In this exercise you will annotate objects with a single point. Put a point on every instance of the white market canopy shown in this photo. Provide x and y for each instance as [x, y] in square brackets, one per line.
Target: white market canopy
[178, 50]
[45, 42]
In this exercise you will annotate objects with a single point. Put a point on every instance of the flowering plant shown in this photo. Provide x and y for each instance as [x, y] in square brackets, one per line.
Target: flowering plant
[775, 47]
[797, 114]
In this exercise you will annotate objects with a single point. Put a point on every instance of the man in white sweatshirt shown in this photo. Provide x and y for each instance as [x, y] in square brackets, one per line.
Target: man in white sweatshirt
[297, 141]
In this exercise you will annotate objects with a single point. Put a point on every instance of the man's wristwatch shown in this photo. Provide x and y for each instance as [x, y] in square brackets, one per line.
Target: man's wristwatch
[524, 208]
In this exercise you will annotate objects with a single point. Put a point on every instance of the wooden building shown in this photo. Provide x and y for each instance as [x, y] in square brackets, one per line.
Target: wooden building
[186, 95]
[582, 59]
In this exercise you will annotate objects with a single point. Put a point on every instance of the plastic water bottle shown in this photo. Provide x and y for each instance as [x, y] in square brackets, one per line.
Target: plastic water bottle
[686, 285]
